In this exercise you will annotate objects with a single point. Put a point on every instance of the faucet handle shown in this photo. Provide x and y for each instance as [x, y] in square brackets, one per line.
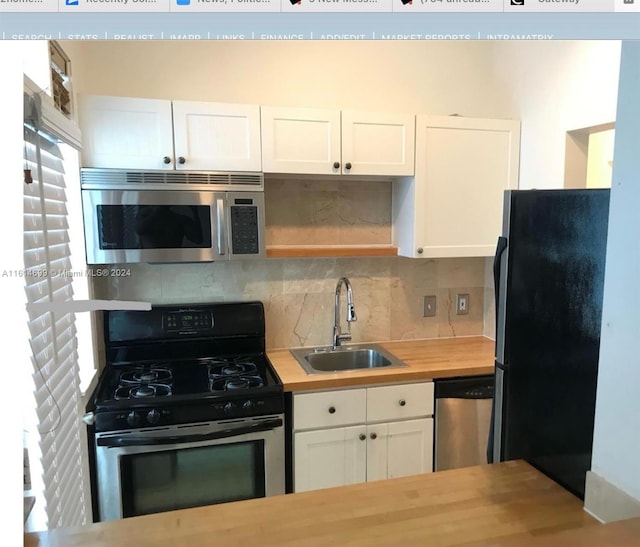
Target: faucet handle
[351, 313]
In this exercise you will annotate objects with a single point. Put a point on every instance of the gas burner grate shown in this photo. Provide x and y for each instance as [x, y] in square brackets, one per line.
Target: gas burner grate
[234, 383]
[223, 369]
[234, 373]
[142, 391]
[146, 375]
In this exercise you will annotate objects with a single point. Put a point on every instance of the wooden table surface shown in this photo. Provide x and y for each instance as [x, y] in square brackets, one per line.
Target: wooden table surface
[426, 360]
[509, 504]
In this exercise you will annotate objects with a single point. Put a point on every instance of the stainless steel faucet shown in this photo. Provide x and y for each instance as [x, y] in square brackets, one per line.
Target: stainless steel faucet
[338, 337]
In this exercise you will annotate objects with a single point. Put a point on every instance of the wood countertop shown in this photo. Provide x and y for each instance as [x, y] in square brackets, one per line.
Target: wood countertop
[425, 359]
[623, 533]
[509, 504]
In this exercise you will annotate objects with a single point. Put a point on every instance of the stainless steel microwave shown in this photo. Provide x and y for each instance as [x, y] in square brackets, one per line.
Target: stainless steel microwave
[160, 216]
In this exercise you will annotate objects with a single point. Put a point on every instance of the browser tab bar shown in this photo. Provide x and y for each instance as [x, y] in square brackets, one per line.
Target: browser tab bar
[113, 6]
[225, 6]
[333, 6]
[514, 6]
[321, 6]
[459, 6]
[29, 5]
[627, 5]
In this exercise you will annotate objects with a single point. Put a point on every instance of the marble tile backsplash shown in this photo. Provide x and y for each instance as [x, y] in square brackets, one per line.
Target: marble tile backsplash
[328, 212]
[298, 294]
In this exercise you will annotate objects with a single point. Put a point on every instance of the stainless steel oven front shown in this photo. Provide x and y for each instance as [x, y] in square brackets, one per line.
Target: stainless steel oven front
[161, 469]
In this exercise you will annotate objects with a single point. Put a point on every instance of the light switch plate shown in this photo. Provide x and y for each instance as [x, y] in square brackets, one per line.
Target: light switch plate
[462, 304]
[429, 306]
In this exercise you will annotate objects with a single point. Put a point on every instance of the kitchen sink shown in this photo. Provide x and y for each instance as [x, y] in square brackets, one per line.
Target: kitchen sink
[352, 357]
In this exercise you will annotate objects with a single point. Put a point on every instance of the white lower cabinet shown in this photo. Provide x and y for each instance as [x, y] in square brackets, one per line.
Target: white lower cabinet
[386, 432]
[399, 449]
[330, 457]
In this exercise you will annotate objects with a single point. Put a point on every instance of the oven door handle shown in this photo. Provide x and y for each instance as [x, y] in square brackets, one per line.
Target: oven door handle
[113, 442]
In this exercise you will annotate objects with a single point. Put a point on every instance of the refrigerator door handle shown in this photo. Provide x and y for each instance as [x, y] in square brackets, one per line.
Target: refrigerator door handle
[500, 249]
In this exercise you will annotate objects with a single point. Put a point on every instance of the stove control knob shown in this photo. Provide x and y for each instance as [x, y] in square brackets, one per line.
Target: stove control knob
[133, 418]
[153, 416]
[248, 405]
[229, 408]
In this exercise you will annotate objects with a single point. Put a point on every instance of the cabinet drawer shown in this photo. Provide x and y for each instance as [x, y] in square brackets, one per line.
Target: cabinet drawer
[329, 409]
[400, 401]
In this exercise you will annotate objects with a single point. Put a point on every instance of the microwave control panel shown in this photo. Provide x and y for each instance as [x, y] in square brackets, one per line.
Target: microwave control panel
[244, 228]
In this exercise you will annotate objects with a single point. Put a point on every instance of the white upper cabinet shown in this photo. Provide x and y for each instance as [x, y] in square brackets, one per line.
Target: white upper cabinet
[325, 142]
[453, 207]
[378, 143]
[126, 132]
[132, 133]
[217, 136]
[300, 140]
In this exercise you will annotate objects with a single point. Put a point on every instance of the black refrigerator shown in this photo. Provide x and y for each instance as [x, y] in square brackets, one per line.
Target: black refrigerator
[549, 279]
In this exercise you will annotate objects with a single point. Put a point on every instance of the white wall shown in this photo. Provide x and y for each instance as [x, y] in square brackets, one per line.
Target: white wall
[556, 87]
[616, 445]
[426, 77]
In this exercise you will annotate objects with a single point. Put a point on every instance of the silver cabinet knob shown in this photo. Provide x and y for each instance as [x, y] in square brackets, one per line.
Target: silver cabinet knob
[89, 418]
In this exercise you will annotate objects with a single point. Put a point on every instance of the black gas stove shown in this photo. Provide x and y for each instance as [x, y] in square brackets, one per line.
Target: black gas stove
[185, 364]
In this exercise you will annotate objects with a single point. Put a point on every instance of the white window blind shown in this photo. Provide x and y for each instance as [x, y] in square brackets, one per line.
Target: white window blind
[57, 444]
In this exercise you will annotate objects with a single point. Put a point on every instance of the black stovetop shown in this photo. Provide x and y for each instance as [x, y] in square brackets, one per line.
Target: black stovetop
[185, 364]
[226, 376]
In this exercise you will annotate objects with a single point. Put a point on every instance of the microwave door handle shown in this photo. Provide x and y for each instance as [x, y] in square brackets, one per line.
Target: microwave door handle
[220, 220]
[113, 442]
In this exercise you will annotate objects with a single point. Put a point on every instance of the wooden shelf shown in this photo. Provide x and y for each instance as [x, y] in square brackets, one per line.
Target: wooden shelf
[310, 251]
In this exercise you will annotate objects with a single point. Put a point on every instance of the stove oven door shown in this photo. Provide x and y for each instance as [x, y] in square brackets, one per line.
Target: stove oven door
[161, 469]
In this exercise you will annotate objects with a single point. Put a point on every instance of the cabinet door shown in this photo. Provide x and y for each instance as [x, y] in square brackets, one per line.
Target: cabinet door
[463, 166]
[378, 143]
[399, 449]
[300, 140]
[329, 457]
[217, 136]
[124, 132]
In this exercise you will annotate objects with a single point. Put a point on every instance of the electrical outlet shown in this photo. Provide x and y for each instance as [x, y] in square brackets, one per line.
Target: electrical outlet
[462, 304]
[429, 306]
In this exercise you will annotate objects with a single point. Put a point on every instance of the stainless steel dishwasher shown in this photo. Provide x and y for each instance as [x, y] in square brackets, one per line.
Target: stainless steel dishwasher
[463, 416]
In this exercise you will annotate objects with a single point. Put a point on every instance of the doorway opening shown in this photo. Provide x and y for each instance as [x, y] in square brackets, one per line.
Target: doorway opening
[589, 157]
